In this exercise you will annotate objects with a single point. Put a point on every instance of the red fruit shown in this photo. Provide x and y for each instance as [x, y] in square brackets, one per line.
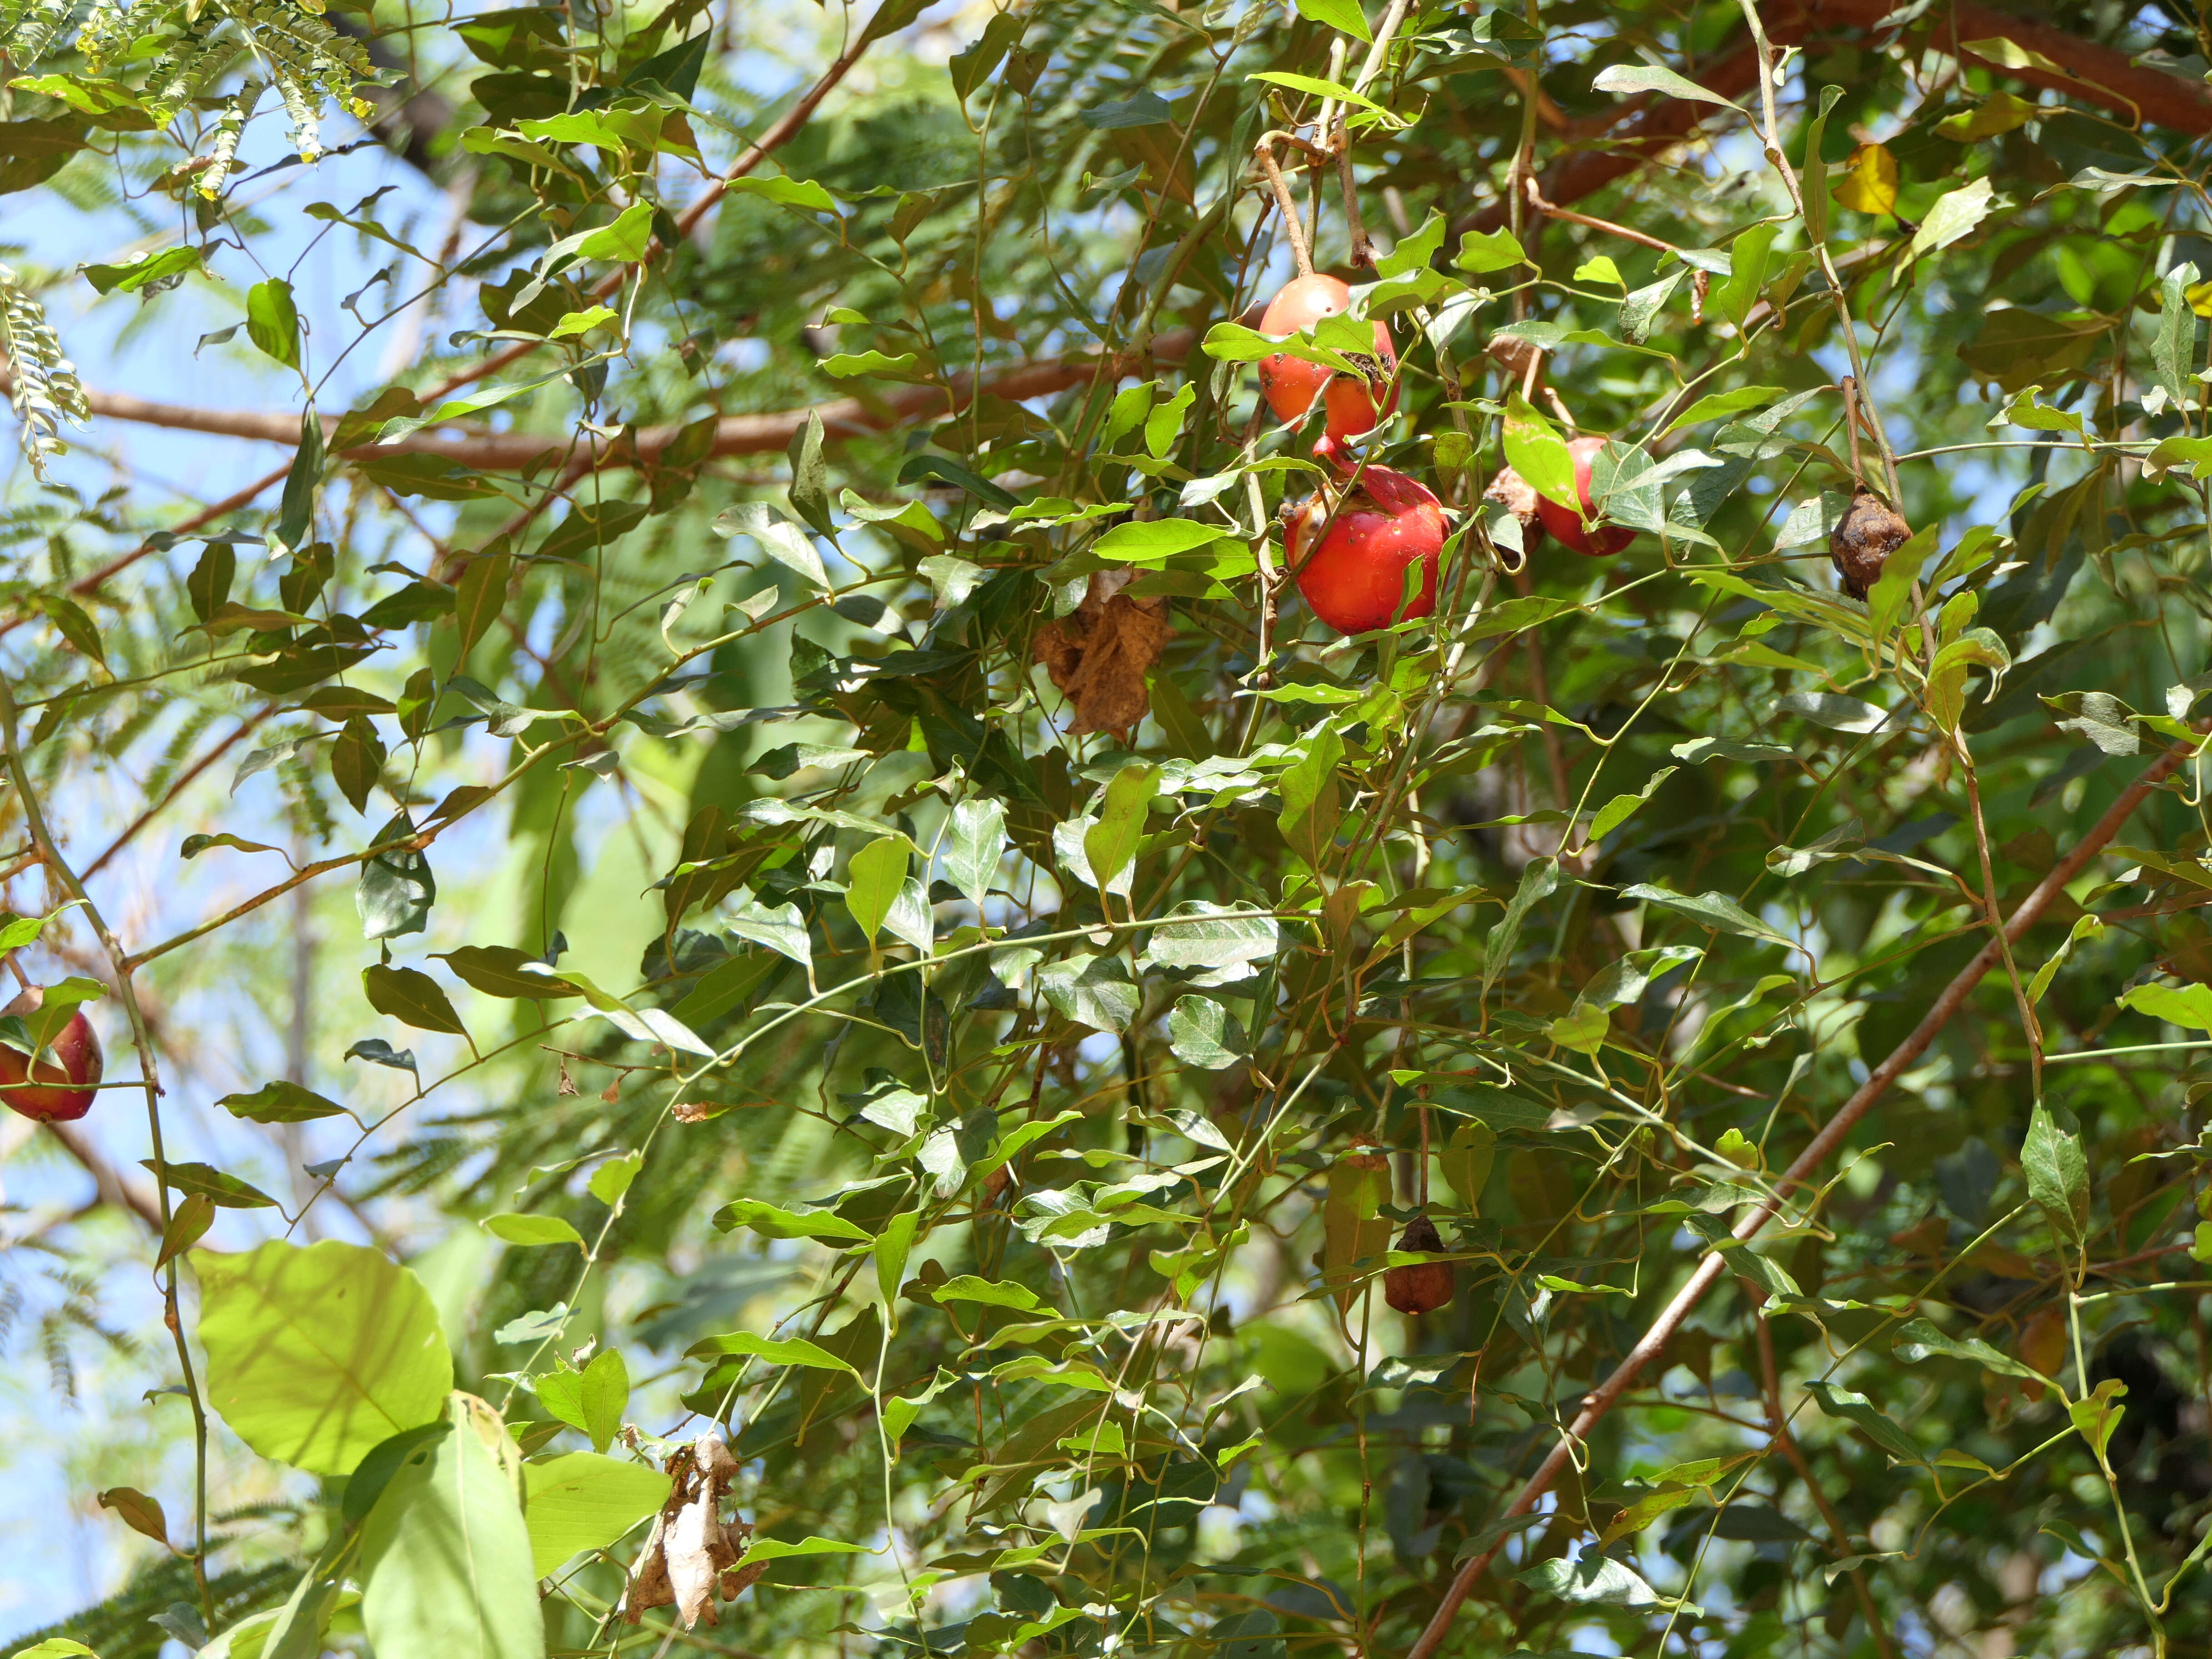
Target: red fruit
[1422, 1289]
[1583, 532]
[1355, 578]
[1290, 383]
[59, 1089]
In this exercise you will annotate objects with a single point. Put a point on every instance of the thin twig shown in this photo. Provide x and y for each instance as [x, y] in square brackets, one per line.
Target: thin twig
[1264, 153]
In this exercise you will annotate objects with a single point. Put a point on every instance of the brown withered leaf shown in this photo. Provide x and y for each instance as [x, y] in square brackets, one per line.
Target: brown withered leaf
[1099, 655]
[692, 1550]
[1863, 540]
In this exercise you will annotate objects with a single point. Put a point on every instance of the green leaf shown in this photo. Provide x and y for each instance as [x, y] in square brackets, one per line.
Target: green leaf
[500, 970]
[2190, 1007]
[612, 1178]
[1857, 1408]
[1315, 86]
[1344, 16]
[873, 880]
[583, 1501]
[1582, 1028]
[778, 537]
[272, 322]
[1919, 1339]
[1955, 215]
[2098, 1415]
[1538, 881]
[1152, 541]
[989, 1292]
[147, 272]
[533, 1229]
[1535, 449]
[787, 1351]
[810, 477]
[975, 841]
[1618, 811]
[396, 890]
[1109, 845]
[280, 1102]
[1716, 405]
[1091, 990]
[1203, 1033]
[2000, 112]
[1465, 1160]
[593, 1398]
[803, 195]
[773, 1221]
[220, 1188]
[1595, 1580]
[1198, 934]
[447, 1563]
[480, 596]
[1628, 79]
[318, 1352]
[624, 239]
[1715, 910]
[2058, 1175]
[410, 996]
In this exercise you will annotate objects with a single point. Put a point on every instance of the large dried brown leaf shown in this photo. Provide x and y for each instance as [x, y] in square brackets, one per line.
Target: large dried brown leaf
[1099, 655]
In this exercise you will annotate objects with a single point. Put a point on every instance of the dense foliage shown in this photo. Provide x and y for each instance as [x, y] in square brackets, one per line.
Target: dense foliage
[856, 1022]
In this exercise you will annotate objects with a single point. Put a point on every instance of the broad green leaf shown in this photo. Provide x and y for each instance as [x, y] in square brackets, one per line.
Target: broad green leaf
[773, 1221]
[445, 1558]
[1917, 1338]
[591, 1400]
[1197, 934]
[1618, 811]
[318, 1352]
[1956, 215]
[1091, 990]
[2000, 112]
[1203, 1033]
[2058, 1174]
[1582, 1029]
[873, 879]
[1715, 405]
[1481, 251]
[500, 970]
[1110, 844]
[2188, 1006]
[975, 841]
[582, 1501]
[989, 1292]
[1535, 449]
[777, 537]
[272, 322]
[281, 1102]
[1313, 86]
[528, 1230]
[802, 194]
[1593, 1580]
[624, 239]
[2099, 1414]
[1857, 1408]
[612, 1178]
[1627, 79]
[410, 996]
[1466, 1159]
[1715, 910]
[1344, 16]
[1813, 177]
[220, 1187]
[787, 1351]
[396, 890]
[2173, 348]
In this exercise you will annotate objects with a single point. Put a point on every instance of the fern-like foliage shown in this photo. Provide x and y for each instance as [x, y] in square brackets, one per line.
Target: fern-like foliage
[43, 387]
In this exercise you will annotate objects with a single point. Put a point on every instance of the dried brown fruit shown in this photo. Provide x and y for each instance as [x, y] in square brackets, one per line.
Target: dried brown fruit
[1422, 1289]
[1863, 540]
[1099, 655]
[1510, 491]
[1512, 355]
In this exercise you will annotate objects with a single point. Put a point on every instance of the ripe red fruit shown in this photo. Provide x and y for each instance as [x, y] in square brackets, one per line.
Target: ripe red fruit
[1599, 538]
[1355, 578]
[1290, 383]
[58, 1088]
[1423, 1289]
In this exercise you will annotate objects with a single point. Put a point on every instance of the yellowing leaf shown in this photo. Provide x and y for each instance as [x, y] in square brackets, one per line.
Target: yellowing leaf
[1869, 182]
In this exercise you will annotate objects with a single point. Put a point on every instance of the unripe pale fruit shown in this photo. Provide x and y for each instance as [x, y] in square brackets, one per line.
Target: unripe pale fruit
[59, 1088]
[1290, 383]
[1598, 539]
[1422, 1289]
[1355, 580]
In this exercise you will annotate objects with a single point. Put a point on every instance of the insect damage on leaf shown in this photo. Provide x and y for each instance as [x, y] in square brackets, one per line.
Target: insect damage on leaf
[1099, 655]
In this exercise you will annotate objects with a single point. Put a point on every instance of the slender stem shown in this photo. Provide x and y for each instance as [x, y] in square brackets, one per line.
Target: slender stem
[1264, 151]
[34, 819]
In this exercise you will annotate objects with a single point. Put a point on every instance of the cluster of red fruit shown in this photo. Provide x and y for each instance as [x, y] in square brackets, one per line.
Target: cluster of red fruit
[1355, 578]
[58, 1089]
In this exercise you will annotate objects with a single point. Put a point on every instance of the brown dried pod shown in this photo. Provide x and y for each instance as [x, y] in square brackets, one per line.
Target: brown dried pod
[1517, 496]
[1422, 1289]
[1863, 540]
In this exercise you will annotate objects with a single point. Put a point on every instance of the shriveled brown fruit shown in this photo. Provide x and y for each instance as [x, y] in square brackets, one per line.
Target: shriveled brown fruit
[1422, 1289]
[1512, 354]
[1100, 654]
[1510, 491]
[1863, 540]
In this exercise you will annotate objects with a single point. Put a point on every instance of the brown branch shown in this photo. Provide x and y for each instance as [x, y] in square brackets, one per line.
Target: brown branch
[1800, 1174]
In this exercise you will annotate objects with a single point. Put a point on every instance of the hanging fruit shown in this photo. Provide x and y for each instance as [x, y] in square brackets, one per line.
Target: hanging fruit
[1425, 1287]
[1355, 404]
[1355, 579]
[1863, 540]
[61, 1086]
[1583, 532]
